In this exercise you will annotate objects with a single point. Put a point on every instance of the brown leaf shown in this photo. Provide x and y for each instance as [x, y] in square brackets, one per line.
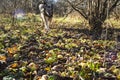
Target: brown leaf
[12, 50]
[14, 65]
[2, 58]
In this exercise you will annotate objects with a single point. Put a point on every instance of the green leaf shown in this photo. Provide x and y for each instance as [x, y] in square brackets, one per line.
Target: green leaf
[50, 60]
[8, 78]
[52, 78]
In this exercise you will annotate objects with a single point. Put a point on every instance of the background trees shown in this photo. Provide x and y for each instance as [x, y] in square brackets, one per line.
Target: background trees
[95, 12]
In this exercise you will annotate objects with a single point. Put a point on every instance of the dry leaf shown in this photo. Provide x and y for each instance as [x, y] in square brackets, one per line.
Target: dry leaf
[2, 58]
[33, 66]
[14, 65]
[47, 68]
[12, 50]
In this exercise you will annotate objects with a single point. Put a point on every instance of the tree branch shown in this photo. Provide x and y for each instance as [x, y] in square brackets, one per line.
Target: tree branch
[113, 6]
[104, 11]
[68, 13]
[82, 13]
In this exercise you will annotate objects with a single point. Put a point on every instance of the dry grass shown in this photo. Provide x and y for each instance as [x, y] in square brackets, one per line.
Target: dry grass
[76, 22]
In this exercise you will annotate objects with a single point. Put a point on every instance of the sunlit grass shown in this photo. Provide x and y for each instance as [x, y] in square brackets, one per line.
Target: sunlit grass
[115, 23]
[31, 19]
[68, 20]
[112, 23]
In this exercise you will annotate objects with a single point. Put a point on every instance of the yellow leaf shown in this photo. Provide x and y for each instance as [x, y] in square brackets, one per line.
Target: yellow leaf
[47, 68]
[14, 65]
[118, 76]
[73, 57]
[2, 58]
[12, 50]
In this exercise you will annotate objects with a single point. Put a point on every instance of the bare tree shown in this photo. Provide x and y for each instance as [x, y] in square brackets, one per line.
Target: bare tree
[116, 12]
[95, 12]
[61, 8]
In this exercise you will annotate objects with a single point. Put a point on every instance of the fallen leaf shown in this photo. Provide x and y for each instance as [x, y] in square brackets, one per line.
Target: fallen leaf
[14, 65]
[47, 68]
[2, 58]
[12, 50]
[33, 66]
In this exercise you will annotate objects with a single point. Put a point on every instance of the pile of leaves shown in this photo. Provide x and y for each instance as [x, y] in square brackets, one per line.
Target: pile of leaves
[29, 53]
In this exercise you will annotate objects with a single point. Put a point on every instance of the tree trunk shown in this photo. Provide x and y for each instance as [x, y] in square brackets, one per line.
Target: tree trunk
[96, 27]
